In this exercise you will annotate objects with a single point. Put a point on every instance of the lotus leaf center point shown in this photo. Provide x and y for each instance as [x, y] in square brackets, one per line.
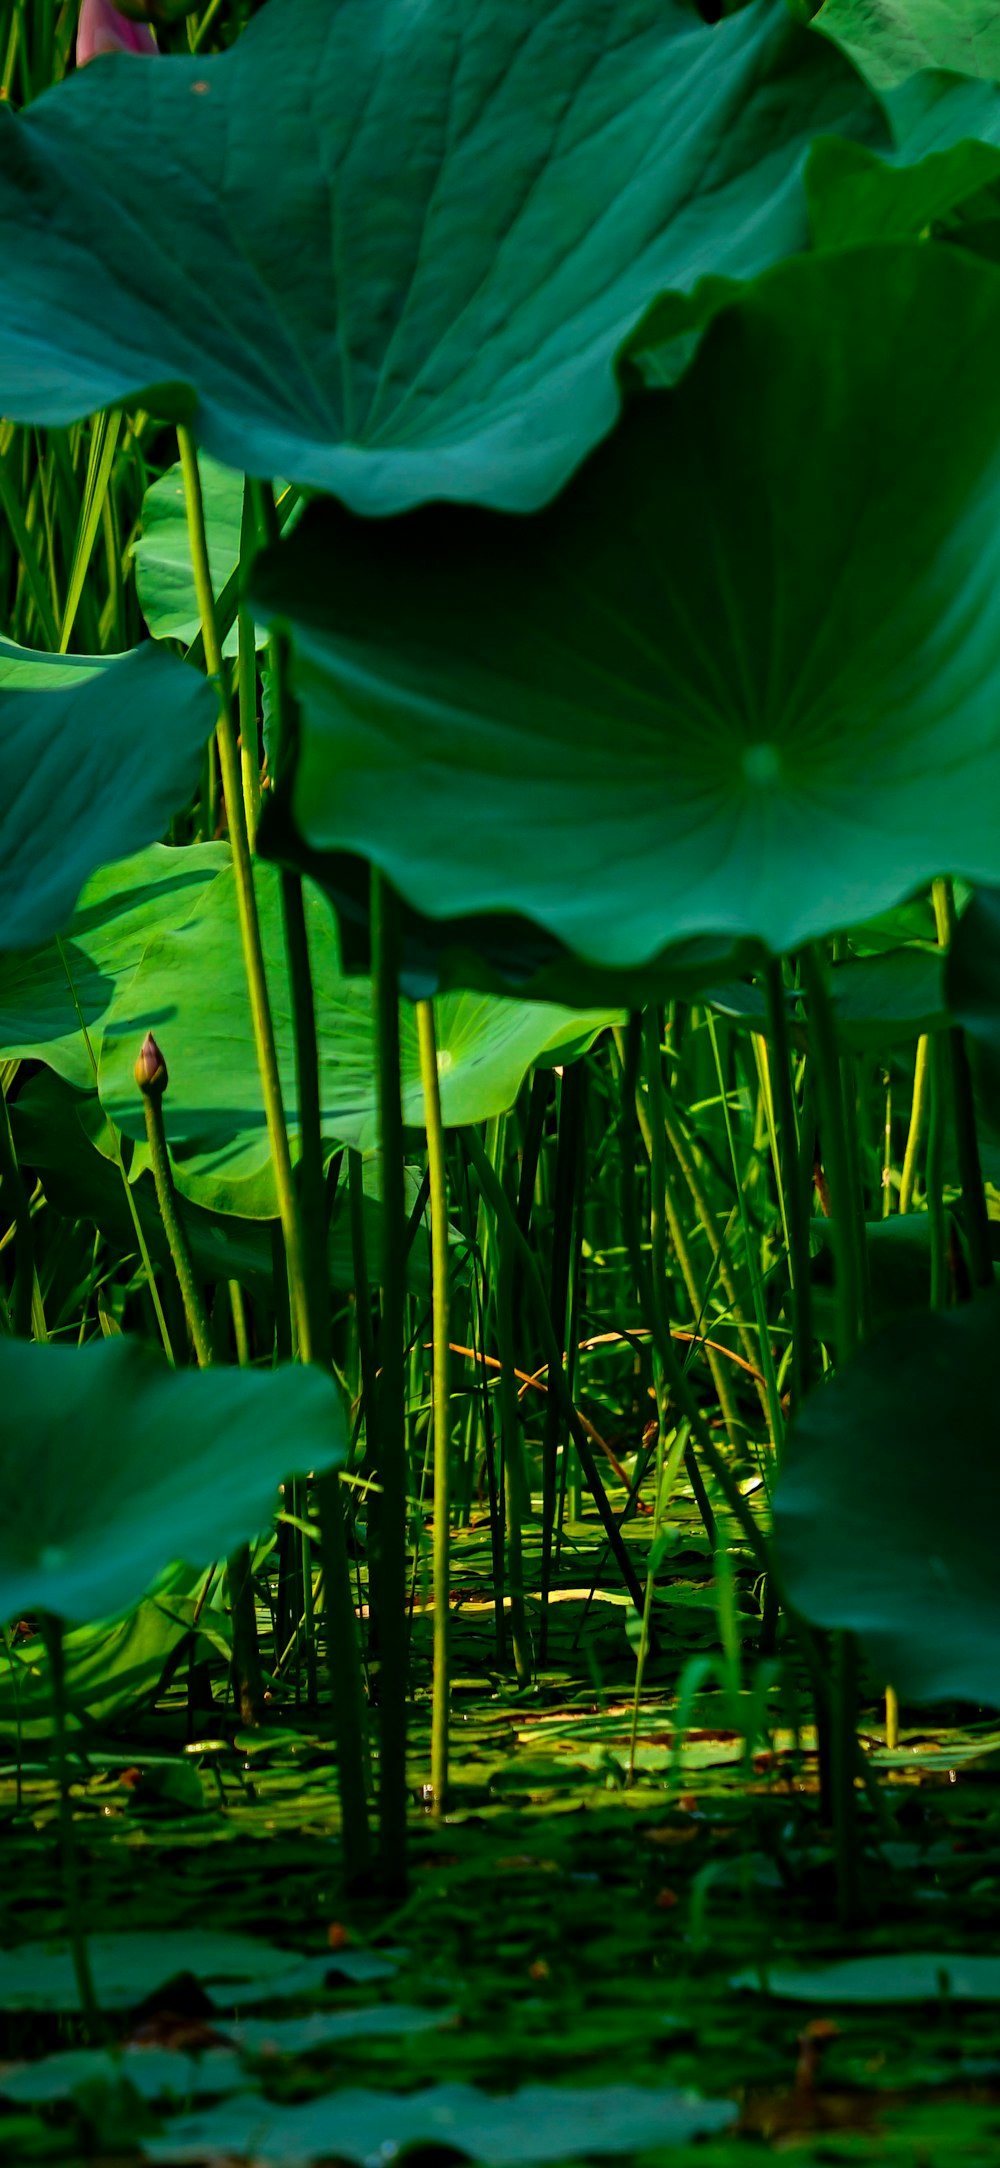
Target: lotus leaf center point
[761, 763]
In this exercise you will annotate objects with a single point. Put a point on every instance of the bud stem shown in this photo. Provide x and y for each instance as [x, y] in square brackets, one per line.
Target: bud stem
[166, 1198]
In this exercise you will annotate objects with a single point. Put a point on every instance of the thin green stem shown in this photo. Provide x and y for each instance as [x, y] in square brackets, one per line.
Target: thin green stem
[392, 1411]
[676, 1381]
[343, 1652]
[796, 1216]
[12, 1185]
[437, 1165]
[975, 1214]
[571, 1104]
[513, 1452]
[934, 1173]
[765, 1352]
[52, 1634]
[253, 953]
[918, 1118]
[166, 1197]
[493, 1190]
[116, 1141]
[839, 1172]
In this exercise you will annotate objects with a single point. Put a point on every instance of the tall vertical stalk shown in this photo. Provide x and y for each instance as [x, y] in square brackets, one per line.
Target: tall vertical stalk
[52, 1635]
[246, 899]
[151, 1078]
[391, 1411]
[343, 1654]
[677, 1383]
[504, 1216]
[977, 1226]
[441, 1397]
[16, 1197]
[571, 1100]
[918, 1119]
[840, 1159]
[836, 1159]
[795, 1212]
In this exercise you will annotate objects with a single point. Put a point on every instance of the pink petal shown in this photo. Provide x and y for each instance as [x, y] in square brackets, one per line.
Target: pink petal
[103, 30]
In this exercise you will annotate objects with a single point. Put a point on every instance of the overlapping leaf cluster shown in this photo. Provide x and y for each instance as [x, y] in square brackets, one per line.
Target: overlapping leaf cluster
[638, 379]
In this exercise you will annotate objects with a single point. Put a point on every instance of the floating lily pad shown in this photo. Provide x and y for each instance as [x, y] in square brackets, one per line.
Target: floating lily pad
[872, 1510]
[913, 1976]
[128, 1968]
[538, 2123]
[98, 752]
[133, 1465]
[155, 2074]
[676, 703]
[538, 173]
[327, 2028]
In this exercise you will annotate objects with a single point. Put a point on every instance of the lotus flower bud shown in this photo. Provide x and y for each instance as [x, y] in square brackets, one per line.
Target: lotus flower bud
[150, 1068]
[104, 29]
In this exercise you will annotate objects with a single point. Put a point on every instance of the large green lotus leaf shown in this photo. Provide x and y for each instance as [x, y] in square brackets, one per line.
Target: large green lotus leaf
[112, 1669]
[118, 911]
[944, 152]
[390, 250]
[677, 702]
[497, 953]
[899, 1268]
[164, 575]
[855, 196]
[892, 39]
[536, 2123]
[112, 1465]
[97, 753]
[886, 1506]
[879, 1001]
[67, 1138]
[189, 988]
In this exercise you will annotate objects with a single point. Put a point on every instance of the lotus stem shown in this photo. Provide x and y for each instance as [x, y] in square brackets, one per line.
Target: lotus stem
[253, 953]
[796, 1214]
[343, 1652]
[392, 1520]
[836, 1155]
[977, 1225]
[571, 1106]
[52, 1634]
[493, 1190]
[441, 1399]
[918, 1117]
[11, 1180]
[152, 1079]
[513, 1455]
[891, 1719]
[676, 1380]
